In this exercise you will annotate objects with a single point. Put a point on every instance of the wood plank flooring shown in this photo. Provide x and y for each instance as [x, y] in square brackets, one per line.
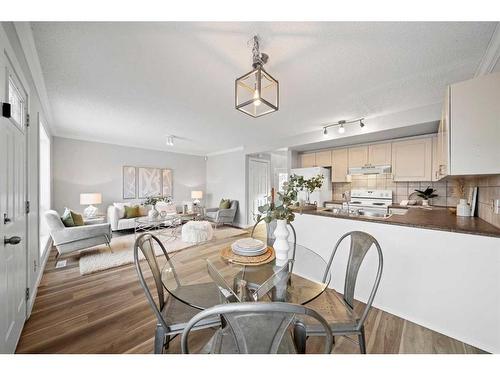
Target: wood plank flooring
[107, 312]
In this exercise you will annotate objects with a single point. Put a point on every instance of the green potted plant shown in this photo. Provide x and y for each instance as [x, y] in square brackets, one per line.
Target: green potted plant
[308, 185]
[426, 194]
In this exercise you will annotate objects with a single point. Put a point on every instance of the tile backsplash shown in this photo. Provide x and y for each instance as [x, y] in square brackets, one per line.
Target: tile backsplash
[449, 190]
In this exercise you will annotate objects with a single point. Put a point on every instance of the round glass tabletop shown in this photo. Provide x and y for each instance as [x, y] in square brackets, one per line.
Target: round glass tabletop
[186, 276]
[157, 220]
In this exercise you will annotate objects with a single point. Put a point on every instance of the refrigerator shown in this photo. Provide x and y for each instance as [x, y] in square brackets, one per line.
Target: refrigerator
[319, 195]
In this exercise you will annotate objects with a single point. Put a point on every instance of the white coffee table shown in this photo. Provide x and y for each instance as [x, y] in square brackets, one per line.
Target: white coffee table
[161, 226]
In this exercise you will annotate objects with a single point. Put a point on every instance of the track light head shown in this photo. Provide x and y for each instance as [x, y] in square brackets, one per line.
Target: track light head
[341, 129]
[361, 124]
[325, 131]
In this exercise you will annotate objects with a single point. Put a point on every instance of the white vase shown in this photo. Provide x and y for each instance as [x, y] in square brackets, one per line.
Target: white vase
[463, 209]
[153, 213]
[281, 245]
[425, 202]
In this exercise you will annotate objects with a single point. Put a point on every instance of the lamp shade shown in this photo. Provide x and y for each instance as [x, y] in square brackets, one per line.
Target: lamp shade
[196, 194]
[90, 198]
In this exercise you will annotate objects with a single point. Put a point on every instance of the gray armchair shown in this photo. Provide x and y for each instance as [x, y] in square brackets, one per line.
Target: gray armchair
[70, 239]
[222, 216]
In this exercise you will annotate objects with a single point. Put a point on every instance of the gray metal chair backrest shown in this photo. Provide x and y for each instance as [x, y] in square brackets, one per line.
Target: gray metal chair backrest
[361, 242]
[144, 243]
[270, 227]
[258, 327]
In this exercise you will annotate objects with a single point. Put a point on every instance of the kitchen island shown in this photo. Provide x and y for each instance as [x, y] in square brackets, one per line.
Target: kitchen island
[440, 271]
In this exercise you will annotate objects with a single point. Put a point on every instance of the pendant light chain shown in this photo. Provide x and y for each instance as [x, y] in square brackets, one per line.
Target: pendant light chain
[256, 52]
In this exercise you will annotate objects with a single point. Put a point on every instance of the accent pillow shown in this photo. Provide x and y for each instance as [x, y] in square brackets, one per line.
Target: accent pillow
[143, 210]
[77, 219]
[131, 212]
[225, 204]
[121, 209]
[67, 218]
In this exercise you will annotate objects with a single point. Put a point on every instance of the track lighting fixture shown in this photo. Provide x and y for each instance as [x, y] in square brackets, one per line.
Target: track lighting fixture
[341, 124]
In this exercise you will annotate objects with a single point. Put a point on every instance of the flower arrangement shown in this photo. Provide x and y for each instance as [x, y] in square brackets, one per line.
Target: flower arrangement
[153, 199]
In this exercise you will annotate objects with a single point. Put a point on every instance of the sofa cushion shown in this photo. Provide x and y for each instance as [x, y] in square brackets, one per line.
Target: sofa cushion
[143, 210]
[225, 204]
[67, 218]
[120, 207]
[131, 212]
[77, 219]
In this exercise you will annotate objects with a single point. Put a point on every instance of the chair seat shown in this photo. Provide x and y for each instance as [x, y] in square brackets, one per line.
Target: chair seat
[331, 306]
[177, 313]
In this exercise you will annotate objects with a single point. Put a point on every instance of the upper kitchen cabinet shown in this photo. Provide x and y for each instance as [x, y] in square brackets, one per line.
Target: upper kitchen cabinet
[471, 127]
[442, 146]
[358, 156]
[308, 160]
[435, 159]
[324, 158]
[412, 160]
[379, 154]
[340, 163]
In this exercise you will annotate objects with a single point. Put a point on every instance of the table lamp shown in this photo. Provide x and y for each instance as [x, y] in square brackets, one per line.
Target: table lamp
[90, 199]
[196, 195]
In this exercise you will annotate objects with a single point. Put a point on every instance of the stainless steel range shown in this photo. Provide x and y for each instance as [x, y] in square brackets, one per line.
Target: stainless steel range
[377, 201]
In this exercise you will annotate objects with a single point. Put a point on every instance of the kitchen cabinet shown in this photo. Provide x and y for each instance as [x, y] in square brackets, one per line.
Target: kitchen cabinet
[435, 176]
[412, 160]
[379, 154]
[472, 127]
[324, 158]
[442, 146]
[340, 164]
[358, 156]
[308, 160]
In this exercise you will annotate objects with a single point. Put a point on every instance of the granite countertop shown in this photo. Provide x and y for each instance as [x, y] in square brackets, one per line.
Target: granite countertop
[437, 218]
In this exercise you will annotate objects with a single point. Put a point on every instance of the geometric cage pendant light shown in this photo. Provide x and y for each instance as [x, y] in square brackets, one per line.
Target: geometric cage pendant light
[257, 92]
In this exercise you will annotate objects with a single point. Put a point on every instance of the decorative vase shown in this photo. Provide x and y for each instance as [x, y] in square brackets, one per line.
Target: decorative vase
[152, 213]
[463, 209]
[425, 202]
[281, 246]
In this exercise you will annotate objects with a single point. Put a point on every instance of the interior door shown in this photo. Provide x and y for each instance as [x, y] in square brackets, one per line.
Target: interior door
[13, 230]
[259, 186]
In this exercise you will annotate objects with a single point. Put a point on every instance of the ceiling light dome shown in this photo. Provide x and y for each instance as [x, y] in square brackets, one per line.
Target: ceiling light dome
[257, 92]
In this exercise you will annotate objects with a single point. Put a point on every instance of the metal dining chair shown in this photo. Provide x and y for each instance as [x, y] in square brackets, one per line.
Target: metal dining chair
[171, 314]
[255, 328]
[361, 242]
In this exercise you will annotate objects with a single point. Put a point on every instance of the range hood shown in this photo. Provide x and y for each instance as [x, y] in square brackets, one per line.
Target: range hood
[370, 169]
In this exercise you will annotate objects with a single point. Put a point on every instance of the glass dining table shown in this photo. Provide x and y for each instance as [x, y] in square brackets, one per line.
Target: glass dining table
[189, 268]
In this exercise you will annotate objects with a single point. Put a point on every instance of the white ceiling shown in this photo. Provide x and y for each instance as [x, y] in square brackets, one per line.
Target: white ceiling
[135, 83]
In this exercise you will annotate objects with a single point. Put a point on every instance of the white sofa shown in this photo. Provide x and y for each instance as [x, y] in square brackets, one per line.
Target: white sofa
[116, 216]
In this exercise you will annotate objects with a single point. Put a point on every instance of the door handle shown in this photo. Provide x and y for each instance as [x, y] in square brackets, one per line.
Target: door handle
[14, 240]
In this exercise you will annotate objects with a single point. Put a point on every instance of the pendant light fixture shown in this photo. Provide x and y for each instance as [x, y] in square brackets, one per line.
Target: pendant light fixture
[257, 92]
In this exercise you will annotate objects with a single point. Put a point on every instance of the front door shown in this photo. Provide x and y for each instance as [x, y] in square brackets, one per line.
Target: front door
[13, 253]
[259, 186]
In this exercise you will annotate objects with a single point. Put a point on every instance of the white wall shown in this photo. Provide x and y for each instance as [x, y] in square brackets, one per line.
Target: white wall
[88, 167]
[226, 178]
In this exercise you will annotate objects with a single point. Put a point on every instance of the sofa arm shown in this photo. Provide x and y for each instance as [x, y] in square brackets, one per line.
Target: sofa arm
[83, 232]
[113, 217]
[214, 209]
[227, 212]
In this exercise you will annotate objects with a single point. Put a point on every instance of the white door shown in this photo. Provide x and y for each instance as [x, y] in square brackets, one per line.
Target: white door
[13, 255]
[259, 186]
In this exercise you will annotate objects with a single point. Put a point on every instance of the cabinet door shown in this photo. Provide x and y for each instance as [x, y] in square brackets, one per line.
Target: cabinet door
[435, 159]
[412, 160]
[474, 126]
[324, 158]
[443, 139]
[358, 156]
[379, 154]
[308, 160]
[339, 165]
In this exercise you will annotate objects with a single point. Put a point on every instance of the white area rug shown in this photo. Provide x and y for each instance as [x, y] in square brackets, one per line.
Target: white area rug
[101, 258]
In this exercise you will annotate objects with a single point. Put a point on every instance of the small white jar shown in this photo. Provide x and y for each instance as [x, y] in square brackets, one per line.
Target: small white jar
[463, 208]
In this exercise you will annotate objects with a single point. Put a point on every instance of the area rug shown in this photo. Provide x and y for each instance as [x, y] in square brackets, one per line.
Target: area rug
[101, 258]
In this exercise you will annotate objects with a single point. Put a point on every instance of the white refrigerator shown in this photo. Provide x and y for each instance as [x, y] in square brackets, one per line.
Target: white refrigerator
[319, 195]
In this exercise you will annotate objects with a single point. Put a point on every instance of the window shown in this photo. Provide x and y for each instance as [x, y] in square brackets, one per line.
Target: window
[44, 183]
[17, 103]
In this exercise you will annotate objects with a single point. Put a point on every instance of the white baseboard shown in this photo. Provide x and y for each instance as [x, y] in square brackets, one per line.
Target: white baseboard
[43, 263]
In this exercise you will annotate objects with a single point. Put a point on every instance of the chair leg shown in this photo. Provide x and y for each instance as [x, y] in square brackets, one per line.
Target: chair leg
[362, 341]
[159, 339]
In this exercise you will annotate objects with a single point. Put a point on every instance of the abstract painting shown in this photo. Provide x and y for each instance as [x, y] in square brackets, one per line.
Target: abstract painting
[149, 182]
[166, 186]
[129, 183]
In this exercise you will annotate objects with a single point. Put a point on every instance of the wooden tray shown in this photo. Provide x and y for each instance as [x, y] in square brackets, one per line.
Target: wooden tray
[228, 255]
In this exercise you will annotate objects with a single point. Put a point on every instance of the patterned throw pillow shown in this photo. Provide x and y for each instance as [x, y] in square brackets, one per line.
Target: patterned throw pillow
[77, 219]
[225, 204]
[131, 212]
[67, 218]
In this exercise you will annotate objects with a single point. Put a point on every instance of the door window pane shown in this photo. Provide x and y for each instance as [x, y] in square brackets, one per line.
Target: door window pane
[17, 104]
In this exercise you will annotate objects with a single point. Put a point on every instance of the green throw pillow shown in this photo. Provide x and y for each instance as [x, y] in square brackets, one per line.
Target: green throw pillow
[67, 218]
[225, 204]
[131, 212]
[77, 219]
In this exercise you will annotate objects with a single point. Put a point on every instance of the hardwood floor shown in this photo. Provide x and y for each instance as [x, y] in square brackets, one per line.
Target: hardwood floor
[107, 312]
